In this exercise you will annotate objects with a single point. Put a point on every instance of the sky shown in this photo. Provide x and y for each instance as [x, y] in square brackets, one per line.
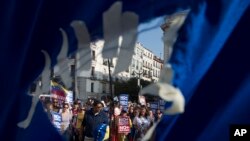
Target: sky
[150, 35]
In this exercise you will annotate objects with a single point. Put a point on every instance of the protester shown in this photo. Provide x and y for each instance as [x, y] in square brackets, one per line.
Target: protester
[65, 124]
[56, 105]
[55, 116]
[158, 115]
[123, 136]
[75, 109]
[78, 127]
[48, 109]
[151, 117]
[116, 113]
[90, 122]
[136, 111]
[131, 111]
[93, 118]
[141, 123]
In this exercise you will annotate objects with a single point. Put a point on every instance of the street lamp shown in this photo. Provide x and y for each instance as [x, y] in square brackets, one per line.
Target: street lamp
[139, 79]
[110, 78]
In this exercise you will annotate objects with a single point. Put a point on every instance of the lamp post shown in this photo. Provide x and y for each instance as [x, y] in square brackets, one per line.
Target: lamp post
[110, 80]
[111, 108]
[139, 80]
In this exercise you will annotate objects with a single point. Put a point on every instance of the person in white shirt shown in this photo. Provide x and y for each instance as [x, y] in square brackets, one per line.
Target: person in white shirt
[66, 118]
[141, 123]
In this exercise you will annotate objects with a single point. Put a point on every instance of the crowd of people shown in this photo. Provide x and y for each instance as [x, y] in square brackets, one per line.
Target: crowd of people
[97, 120]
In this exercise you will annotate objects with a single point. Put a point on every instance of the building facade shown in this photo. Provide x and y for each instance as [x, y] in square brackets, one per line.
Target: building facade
[148, 59]
[95, 82]
[157, 66]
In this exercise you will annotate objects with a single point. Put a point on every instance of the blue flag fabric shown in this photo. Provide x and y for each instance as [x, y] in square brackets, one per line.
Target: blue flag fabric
[210, 62]
[27, 27]
[101, 133]
[210, 59]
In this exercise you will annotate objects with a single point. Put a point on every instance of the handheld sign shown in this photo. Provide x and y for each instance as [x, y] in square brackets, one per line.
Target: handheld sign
[123, 98]
[123, 124]
[56, 120]
[162, 104]
[154, 106]
[142, 100]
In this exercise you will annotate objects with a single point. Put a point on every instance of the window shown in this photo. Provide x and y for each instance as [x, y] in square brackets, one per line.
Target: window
[133, 63]
[111, 63]
[104, 88]
[105, 62]
[92, 87]
[140, 66]
[72, 70]
[93, 55]
[93, 71]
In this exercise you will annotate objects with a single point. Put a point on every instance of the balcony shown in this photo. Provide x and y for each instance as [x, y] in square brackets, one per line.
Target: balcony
[93, 62]
[93, 77]
[105, 78]
[105, 63]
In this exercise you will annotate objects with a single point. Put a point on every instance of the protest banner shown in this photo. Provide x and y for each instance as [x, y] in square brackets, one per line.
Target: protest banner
[162, 104]
[69, 97]
[153, 106]
[56, 120]
[123, 124]
[142, 99]
[123, 99]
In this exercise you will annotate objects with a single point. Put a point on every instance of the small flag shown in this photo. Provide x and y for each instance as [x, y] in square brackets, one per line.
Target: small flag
[58, 90]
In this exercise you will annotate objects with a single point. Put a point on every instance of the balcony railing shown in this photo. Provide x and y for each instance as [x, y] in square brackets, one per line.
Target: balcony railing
[105, 78]
[93, 62]
[93, 77]
[105, 63]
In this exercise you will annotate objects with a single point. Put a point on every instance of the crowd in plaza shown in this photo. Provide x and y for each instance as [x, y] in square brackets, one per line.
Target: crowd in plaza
[96, 120]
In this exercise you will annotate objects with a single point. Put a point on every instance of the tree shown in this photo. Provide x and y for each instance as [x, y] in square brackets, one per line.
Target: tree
[129, 87]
